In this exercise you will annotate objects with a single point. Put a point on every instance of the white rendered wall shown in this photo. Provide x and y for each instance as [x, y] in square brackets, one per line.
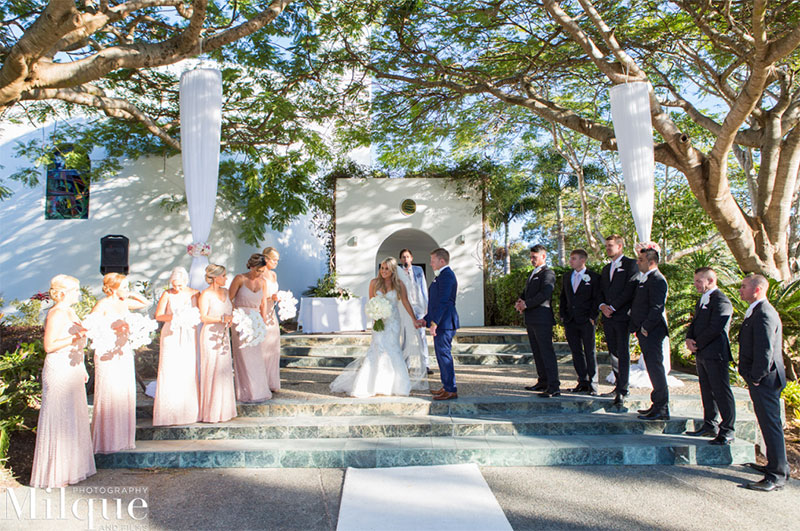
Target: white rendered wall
[32, 249]
[368, 213]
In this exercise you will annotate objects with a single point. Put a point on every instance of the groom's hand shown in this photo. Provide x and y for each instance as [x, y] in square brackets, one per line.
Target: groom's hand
[433, 329]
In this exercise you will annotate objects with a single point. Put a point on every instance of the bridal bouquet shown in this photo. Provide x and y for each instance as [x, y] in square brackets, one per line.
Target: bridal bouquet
[250, 326]
[185, 317]
[287, 305]
[378, 308]
[141, 330]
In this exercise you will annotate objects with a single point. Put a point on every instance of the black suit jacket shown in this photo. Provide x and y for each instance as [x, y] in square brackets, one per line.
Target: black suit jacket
[647, 308]
[580, 306]
[761, 345]
[537, 295]
[709, 328]
[619, 291]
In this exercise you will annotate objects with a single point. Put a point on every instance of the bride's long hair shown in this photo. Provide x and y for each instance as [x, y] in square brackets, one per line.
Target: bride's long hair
[397, 284]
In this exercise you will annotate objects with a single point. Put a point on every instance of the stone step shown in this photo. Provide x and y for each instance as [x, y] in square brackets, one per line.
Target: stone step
[502, 450]
[363, 338]
[429, 426]
[464, 348]
[318, 360]
[684, 405]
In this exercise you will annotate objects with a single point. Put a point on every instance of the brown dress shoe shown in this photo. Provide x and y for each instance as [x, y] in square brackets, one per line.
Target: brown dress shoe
[440, 391]
[446, 396]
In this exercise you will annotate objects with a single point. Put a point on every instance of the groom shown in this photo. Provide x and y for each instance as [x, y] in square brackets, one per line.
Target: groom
[442, 319]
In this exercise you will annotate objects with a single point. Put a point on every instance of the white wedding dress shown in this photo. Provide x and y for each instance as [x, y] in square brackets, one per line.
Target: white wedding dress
[383, 370]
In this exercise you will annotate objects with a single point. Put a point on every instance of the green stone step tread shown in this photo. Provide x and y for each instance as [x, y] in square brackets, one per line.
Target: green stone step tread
[647, 449]
[464, 406]
[429, 426]
[363, 338]
[459, 359]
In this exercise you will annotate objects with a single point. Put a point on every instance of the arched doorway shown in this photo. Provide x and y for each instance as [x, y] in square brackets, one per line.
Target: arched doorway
[420, 243]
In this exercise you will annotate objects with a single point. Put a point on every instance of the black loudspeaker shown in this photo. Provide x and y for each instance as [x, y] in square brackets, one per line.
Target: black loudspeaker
[114, 254]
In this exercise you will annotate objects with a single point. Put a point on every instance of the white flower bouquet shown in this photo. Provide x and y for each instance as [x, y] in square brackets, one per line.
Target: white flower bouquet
[186, 317]
[99, 332]
[250, 326]
[141, 330]
[378, 308]
[287, 305]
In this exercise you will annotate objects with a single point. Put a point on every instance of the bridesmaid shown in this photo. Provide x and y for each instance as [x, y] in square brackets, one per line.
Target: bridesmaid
[114, 414]
[217, 397]
[177, 390]
[272, 343]
[63, 453]
[249, 369]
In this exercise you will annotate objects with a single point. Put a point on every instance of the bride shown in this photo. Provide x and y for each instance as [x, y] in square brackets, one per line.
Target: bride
[393, 365]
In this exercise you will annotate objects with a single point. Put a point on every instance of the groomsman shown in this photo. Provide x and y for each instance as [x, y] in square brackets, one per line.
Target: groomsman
[649, 323]
[414, 279]
[707, 337]
[580, 294]
[617, 287]
[761, 365]
[534, 304]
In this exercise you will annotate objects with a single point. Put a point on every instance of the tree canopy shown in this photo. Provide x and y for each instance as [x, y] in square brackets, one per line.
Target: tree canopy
[723, 77]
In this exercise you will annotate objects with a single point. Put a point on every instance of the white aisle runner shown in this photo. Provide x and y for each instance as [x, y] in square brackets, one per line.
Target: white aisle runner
[418, 498]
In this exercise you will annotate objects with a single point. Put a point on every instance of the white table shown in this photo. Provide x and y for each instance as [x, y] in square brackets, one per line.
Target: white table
[328, 314]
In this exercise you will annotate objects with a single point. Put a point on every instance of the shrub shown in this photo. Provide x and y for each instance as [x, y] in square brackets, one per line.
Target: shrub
[327, 286]
[791, 397]
[20, 390]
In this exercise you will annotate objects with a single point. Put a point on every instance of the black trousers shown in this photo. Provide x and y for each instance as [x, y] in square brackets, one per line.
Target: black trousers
[544, 355]
[766, 398]
[718, 401]
[653, 351]
[618, 341]
[580, 338]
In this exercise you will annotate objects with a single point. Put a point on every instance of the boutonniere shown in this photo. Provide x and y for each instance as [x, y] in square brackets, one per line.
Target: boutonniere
[586, 278]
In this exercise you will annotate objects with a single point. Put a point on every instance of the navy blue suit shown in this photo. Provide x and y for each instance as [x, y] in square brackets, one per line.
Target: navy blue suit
[442, 311]
[761, 365]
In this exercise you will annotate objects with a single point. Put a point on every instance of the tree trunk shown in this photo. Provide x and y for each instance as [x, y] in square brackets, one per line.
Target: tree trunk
[507, 259]
[594, 247]
[560, 236]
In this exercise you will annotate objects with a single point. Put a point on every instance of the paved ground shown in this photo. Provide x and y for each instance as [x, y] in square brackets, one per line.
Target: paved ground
[545, 498]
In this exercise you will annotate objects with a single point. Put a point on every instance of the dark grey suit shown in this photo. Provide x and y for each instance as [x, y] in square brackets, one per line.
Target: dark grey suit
[618, 292]
[709, 329]
[761, 365]
[647, 312]
[539, 322]
[578, 310]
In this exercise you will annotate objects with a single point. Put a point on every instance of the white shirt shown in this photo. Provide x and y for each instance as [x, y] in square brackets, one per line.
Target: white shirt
[752, 307]
[614, 265]
[643, 276]
[706, 297]
[535, 270]
[577, 277]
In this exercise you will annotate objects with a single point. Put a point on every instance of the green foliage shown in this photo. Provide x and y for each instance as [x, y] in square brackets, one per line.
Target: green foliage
[327, 287]
[28, 313]
[791, 397]
[86, 303]
[20, 390]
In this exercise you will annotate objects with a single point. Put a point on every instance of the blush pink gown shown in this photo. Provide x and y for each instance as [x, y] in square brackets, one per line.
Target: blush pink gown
[114, 413]
[249, 369]
[177, 399]
[217, 397]
[271, 347]
[63, 453]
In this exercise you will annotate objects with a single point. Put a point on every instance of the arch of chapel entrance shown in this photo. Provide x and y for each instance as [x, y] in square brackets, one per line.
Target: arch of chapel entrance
[419, 242]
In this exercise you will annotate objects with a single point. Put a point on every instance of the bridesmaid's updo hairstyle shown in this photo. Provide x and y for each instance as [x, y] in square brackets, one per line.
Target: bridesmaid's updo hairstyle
[112, 281]
[256, 261]
[213, 271]
[179, 273]
[271, 252]
[60, 285]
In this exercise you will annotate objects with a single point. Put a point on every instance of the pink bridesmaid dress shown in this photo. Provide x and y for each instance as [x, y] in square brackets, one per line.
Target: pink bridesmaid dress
[271, 347]
[114, 413]
[177, 399]
[63, 453]
[249, 369]
[217, 397]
